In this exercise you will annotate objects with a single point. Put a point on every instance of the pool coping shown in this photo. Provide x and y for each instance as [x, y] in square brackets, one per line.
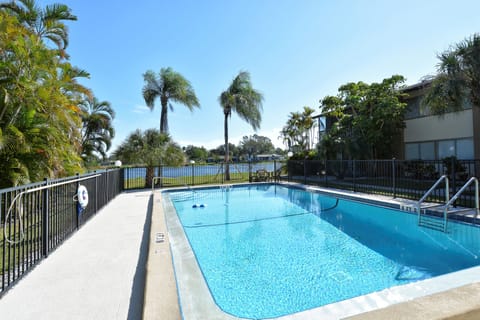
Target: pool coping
[160, 292]
[198, 303]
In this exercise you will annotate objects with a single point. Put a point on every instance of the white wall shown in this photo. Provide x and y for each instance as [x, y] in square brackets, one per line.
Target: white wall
[450, 126]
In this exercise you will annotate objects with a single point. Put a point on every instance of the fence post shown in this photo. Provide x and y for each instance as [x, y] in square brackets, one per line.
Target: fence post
[275, 170]
[354, 176]
[288, 169]
[122, 179]
[107, 189]
[304, 171]
[160, 173]
[78, 210]
[45, 221]
[96, 191]
[126, 178]
[326, 173]
[223, 173]
[394, 185]
[193, 174]
[250, 171]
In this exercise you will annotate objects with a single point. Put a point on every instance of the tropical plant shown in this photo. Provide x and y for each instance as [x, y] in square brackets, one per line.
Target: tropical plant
[458, 80]
[298, 133]
[368, 119]
[242, 98]
[39, 117]
[169, 86]
[97, 127]
[150, 148]
[46, 23]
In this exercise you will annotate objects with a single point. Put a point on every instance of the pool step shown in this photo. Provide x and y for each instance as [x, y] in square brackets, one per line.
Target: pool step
[431, 222]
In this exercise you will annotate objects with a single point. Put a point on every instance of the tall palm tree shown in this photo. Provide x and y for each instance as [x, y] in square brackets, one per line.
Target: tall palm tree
[242, 98]
[45, 22]
[97, 127]
[168, 86]
[458, 77]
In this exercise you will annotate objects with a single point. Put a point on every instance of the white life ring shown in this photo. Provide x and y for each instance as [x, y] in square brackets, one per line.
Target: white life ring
[82, 196]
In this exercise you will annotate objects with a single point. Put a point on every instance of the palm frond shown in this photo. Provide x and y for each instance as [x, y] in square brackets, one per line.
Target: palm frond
[169, 86]
[240, 97]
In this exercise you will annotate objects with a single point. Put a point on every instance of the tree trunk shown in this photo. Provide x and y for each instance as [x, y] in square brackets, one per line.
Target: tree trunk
[149, 176]
[227, 151]
[163, 115]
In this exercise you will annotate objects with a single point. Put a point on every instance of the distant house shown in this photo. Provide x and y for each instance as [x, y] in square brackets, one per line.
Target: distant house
[430, 137]
[267, 157]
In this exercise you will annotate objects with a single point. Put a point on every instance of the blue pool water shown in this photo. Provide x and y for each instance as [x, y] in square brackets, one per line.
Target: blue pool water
[268, 250]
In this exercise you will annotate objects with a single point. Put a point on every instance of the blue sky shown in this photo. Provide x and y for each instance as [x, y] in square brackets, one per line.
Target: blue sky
[297, 52]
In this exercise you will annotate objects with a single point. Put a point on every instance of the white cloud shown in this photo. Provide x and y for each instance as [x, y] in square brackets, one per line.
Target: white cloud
[140, 109]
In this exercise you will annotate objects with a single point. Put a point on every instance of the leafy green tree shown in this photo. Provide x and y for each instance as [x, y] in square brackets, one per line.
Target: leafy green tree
[242, 98]
[169, 86]
[97, 127]
[150, 148]
[219, 151]
[46, 23]
[196, 153]
[458, 78]
[368, 119]
[254, 145]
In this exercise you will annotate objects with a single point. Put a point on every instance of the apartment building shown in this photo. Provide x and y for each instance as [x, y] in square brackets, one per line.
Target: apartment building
[430, 137]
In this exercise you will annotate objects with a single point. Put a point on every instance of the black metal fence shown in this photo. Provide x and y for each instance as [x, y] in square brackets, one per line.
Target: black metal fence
[194, 174]
[36, 218]
[396, 178]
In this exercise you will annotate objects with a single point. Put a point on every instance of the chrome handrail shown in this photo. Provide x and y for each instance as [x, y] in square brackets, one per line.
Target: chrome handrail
[455, 197]
[447, 193]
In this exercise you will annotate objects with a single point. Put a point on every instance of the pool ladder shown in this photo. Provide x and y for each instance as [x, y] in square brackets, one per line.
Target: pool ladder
[438, 220]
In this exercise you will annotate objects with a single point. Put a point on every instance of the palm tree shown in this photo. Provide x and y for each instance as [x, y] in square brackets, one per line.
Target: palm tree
[241, 98]
[39, 117]
[458, 78]
[44, 22]
[150, 148]
[298, 133]
[97, 127]
[168, 86]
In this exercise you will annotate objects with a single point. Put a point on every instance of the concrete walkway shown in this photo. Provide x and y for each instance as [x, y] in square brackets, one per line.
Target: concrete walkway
[98, 273]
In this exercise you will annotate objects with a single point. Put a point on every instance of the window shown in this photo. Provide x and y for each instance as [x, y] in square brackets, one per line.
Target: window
[460, 148]
[446, 148]
[322, 124]
[427, 150]
[411, 151]
[465, 149]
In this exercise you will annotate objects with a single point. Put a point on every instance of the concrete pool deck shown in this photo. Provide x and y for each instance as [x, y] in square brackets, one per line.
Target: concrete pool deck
[98, 273]
[106, 271]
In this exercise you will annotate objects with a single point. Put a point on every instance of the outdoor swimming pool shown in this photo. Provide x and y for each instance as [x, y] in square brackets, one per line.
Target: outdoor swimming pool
[270, 250]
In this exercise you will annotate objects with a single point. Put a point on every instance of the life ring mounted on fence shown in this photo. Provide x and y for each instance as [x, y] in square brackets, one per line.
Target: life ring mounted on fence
[82, 196]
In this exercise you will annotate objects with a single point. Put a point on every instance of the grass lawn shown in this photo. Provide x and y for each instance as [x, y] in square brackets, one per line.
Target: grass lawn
[166, 182]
